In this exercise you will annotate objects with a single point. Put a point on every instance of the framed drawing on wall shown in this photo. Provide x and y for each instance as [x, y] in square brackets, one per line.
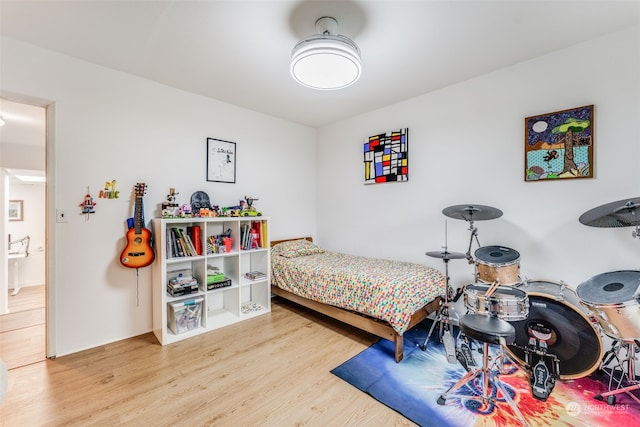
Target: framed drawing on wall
[559, 145]
[221, 160]
[16, 210]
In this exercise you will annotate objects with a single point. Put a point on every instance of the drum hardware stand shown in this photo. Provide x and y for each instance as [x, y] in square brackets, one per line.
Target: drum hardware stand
[613, 354]
[443, 319]
[443, 315]
[488, 375]
[474, 234]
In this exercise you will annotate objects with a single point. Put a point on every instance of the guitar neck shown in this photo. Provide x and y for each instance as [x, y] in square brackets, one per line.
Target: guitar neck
[138, 215]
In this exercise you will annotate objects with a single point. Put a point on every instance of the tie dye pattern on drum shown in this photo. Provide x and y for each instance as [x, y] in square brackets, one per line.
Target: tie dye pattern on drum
[387, 290]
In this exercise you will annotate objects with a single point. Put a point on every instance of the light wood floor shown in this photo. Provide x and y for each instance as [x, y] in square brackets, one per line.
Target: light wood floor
[273, 370]
[22, 330]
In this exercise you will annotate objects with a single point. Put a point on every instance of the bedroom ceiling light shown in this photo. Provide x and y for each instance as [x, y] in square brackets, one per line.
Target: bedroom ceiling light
[326, 61]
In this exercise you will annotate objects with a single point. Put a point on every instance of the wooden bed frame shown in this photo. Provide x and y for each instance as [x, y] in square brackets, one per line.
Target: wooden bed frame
[361, 321]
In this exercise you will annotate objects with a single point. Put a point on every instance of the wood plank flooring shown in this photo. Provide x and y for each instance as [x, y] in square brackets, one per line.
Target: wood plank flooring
[23, 330]
[273, 370]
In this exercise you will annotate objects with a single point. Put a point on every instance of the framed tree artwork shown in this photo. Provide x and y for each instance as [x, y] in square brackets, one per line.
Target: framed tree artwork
[221, 160]
[559, 145]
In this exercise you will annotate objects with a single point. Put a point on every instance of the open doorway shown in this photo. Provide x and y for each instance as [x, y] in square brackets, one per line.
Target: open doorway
[23, 286]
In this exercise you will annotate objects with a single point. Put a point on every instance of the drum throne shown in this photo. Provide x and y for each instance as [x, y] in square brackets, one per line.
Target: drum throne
[489, 330]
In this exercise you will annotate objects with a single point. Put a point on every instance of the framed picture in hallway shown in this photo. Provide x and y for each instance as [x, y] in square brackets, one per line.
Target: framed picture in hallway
[559, 145]
[16, 210]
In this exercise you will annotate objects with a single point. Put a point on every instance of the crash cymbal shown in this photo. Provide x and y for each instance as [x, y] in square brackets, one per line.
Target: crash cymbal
[623, 213]
[446, 255]
[472, 212]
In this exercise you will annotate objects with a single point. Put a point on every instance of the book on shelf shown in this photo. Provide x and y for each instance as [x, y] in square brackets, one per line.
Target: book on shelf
[251, 235]
[255, 275]
[194, 235]
[180, 243]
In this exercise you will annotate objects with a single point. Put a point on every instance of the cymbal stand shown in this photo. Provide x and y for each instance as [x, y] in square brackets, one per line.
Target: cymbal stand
[630, 374]
[474, 233]
[442, 315]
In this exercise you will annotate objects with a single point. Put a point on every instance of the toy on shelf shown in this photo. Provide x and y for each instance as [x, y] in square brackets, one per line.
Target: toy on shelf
[171, 209]
[109, 191]
[243, 208]
[185, 211]
[200, 200]
[248, 209]
[206, 212]
[88, 205]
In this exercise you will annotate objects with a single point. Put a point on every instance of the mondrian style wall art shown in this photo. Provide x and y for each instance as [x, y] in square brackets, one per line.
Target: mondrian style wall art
[386, 157]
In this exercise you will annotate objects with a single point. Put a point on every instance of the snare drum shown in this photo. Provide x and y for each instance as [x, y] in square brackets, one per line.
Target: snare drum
[498, 263]
[612, 301]
[506, 303]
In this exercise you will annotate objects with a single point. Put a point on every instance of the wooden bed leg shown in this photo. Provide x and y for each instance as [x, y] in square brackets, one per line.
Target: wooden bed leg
[399, 342]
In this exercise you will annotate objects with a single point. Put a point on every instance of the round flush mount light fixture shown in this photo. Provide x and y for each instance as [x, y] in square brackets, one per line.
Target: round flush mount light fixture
[326, 61]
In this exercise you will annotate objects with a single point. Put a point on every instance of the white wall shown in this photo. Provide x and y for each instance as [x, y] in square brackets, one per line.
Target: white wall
[32, 268]
[466, 146]
[110, 125]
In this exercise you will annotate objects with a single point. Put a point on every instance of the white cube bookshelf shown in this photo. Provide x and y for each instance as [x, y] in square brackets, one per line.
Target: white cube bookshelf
[243, 299]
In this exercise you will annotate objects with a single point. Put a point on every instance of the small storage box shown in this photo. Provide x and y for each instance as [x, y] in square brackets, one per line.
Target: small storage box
[184, 315]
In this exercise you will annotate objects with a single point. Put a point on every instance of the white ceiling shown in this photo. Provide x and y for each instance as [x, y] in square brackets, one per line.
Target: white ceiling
[238, 51]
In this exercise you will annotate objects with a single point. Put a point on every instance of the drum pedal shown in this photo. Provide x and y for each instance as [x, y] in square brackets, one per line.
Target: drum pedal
[465, 357]
[541, 381]
[449, 346]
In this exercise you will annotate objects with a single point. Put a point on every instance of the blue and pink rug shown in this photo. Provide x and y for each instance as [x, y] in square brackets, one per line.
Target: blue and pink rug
[413, 386]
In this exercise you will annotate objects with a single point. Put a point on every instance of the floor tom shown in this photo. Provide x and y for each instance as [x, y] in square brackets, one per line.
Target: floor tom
[613, 301]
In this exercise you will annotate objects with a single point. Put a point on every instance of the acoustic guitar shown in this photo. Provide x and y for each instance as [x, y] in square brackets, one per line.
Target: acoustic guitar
[138, 252]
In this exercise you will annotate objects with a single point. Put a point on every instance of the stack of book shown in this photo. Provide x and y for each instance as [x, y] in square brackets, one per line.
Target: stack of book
[255, 275]
[182, 285]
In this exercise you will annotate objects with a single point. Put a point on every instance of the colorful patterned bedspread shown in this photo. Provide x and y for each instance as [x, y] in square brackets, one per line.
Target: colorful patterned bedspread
[383, 289]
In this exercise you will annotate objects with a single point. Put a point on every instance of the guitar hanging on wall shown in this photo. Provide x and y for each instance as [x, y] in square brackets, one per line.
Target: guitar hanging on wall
[138, 252]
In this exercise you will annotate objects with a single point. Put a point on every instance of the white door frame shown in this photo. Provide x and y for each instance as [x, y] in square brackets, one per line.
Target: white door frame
[50, 217]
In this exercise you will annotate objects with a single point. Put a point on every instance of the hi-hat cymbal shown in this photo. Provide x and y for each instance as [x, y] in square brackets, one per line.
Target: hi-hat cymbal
[446, 255]
[472, 212]
[623, 213]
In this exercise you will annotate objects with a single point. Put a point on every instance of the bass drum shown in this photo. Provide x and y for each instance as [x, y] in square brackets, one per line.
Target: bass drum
[574, 339]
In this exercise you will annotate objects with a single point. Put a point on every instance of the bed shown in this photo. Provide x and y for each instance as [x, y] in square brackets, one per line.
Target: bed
[383, 297]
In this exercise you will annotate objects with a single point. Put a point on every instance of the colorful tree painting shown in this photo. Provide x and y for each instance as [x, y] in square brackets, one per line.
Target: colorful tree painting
[559, 145]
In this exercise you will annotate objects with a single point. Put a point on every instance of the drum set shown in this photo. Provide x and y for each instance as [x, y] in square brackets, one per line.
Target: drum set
[558, 331]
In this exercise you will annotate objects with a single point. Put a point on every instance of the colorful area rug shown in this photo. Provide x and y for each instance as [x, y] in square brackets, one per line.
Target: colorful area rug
[413, 386]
